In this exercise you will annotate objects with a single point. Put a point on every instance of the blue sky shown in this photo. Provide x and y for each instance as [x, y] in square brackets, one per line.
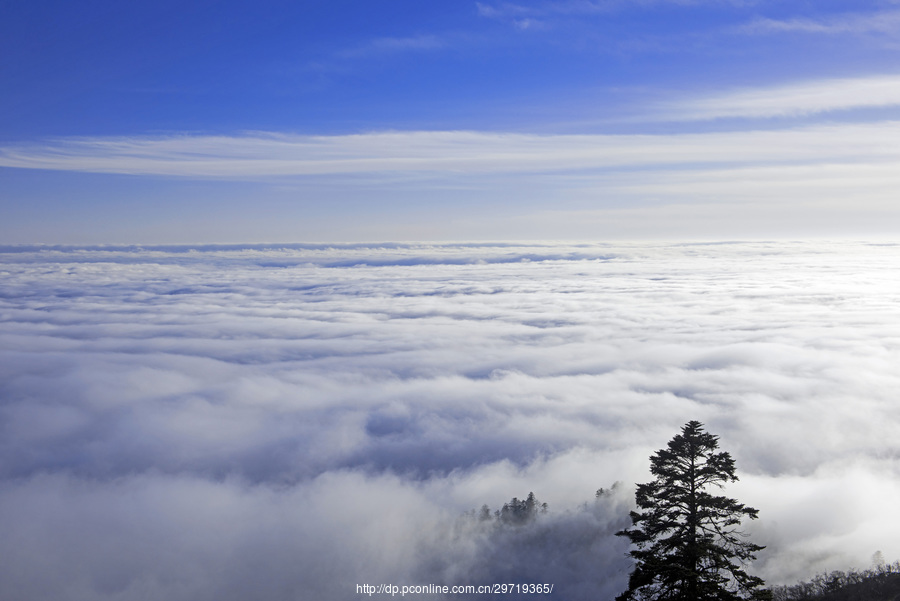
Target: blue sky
[292, 121]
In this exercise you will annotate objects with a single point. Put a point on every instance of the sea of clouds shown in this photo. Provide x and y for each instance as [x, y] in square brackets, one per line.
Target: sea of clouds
[286, 422]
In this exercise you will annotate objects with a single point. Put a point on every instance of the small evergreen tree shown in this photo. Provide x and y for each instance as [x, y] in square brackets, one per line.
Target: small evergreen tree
[688, 544]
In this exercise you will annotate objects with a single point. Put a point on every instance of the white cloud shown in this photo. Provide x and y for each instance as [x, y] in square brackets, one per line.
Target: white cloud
[792, 100]
[837, 179]
[460, 153]
[238, 421]
[394, 44]
[885, 22]
[511, 10]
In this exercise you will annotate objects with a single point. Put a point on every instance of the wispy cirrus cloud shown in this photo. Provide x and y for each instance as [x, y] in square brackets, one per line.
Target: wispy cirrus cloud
[458, 153]
[847, 23]
[793, 100]
[388, 45]
[383, 48]
[504, 10]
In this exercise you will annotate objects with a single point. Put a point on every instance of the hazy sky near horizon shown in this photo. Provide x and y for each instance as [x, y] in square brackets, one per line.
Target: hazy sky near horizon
[238, 121]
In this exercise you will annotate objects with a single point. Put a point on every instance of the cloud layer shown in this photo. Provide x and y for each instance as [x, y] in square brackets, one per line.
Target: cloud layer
[755, 165]
[286, 422]
[460, 153]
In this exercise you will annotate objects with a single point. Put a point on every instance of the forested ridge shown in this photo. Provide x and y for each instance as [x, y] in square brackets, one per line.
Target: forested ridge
[879, 583]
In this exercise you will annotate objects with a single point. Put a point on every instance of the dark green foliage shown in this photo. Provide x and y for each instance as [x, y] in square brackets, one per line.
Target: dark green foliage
[688, 546]
[516, 512]
[881, 583]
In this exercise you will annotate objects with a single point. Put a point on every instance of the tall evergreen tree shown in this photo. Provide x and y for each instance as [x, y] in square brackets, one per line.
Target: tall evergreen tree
[688, 546]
